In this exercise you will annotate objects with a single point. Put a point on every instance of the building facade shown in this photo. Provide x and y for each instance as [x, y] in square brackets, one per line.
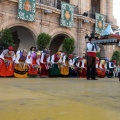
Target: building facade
[25, 33]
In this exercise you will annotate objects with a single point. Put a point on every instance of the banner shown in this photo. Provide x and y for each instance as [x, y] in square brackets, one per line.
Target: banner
[26, 10]
[99, 23]
[67, 14]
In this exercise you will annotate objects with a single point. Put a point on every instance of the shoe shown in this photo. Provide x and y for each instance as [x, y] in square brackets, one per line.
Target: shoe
[94, 79]
[88, 79]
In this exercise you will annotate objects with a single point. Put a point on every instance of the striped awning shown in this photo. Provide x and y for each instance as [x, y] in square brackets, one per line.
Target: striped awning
[110, 41]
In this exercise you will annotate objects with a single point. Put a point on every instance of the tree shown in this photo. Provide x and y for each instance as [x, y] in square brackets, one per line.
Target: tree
[116, 56]
[68, 45]
[43, 41]
[6, 38]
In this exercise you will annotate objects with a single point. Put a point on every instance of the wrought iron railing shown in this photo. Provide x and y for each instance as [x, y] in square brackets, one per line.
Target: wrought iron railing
[55, 3]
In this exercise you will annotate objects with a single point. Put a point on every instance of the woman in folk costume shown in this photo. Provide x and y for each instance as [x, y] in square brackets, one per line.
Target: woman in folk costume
[84, 67]
[44, 63]
[102, 67]
[55, 60]
[21, 68]
[64, 69]
[72, 67]
[7, 61]
[34, 64]
[32, 50]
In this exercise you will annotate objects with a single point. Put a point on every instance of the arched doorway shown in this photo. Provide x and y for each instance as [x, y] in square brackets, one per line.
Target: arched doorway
[56, 44]
[23, 37]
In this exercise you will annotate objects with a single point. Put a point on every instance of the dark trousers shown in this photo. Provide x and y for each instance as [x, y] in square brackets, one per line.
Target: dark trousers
[91, 67]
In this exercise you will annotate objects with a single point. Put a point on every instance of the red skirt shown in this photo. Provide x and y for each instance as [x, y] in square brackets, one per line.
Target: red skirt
[6, 69]
[44, 70]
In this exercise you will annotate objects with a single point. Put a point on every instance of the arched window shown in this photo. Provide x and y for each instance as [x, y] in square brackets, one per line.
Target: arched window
[95, 7]
[59, 3]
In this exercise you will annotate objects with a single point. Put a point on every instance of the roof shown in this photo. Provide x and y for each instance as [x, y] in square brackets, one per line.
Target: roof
[110, 41]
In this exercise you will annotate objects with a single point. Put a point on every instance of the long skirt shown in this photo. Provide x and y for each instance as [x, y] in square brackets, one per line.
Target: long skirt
[54, 71]
[32, 71]
[6, 68]
[44, 70]
[20, 71]
[64, 70]
[110, 73]
[73, 72]
[82, 72]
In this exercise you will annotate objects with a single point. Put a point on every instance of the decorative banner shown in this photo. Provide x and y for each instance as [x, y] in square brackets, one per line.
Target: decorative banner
[26, 10]
[100, 23]
[67, 14]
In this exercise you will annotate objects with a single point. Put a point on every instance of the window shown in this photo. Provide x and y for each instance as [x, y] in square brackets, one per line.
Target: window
[59, 3]
[95, 7]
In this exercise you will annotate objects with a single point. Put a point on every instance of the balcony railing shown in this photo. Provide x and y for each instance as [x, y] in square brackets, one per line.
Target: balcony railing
[55, 3]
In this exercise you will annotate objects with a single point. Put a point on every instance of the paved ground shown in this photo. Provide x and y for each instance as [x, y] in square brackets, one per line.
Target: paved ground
[59, 99]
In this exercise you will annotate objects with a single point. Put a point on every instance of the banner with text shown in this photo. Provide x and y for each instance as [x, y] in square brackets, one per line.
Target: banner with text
[67, 14]
[26, 10]
[99, 23]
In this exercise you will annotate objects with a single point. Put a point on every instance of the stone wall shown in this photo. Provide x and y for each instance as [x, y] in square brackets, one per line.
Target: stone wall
[50, 23]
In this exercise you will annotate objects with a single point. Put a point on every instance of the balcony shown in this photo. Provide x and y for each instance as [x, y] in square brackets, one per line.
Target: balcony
[55, 3]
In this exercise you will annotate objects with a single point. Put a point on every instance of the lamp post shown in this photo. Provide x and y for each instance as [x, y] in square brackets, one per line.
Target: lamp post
[86, 38]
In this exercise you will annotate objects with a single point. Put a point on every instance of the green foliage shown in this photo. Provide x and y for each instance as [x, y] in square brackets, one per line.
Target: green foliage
[116, 56]
[6, 38]
[43, 41]
[68, 45]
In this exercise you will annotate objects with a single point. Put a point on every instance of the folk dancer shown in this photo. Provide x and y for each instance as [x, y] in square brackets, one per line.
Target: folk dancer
[21, 68]
[92, 49]
[44, 61]
[34, 64]
[55, 60]
[110, 69]
[7, 62]
[102, 69]
[78, 64]
[72, 68]
[64, 69]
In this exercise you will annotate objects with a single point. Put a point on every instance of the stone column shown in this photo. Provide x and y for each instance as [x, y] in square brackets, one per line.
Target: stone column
[55, 3]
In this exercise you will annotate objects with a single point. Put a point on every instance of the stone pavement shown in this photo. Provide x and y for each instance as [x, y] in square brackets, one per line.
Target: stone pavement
[59, 99]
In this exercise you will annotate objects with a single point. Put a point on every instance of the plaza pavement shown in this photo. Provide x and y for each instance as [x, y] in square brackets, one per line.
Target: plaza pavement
[59, 99]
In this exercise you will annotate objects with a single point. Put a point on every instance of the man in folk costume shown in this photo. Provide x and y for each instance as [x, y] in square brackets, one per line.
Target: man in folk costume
[92, 49]
[55, 60]
[78, 64]
[72, 68]
[44, 63]
[64, 69]
[7, 62]
[110, 69]
[33, 65]
[97, 66]
[21, 68]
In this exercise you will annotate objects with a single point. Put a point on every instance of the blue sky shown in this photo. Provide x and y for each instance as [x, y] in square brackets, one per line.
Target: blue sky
[116, 11]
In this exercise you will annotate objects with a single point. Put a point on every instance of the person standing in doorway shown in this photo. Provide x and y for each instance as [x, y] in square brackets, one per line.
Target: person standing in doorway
[92, 49]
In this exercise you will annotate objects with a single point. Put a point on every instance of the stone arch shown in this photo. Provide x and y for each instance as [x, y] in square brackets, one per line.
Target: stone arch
[26, 32]
[63, 31]
[12, 23]
[58, 35]
[56, 43]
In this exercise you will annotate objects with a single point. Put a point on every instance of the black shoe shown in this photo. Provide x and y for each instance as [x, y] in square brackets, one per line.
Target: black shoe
[88, 79]
[94, 79]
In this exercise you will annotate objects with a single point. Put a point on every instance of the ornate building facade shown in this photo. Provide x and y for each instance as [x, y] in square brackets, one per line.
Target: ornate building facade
[47, 19]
